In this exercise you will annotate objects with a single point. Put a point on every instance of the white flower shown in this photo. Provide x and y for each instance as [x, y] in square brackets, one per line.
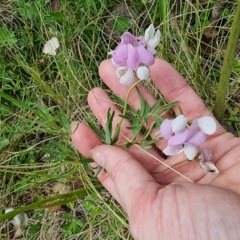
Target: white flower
[152, 38]
[207, 125]
[143, 73]
[125, 74]
[20, 222]
[51, 46]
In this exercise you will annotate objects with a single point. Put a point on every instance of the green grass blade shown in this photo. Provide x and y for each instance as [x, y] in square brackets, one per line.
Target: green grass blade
[223, 85]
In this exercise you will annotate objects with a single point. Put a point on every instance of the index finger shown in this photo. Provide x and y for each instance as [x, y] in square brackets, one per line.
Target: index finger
[170, 83]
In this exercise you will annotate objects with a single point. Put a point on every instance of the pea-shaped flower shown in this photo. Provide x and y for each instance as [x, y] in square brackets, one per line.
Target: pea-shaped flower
[134, 55]
[188, 138]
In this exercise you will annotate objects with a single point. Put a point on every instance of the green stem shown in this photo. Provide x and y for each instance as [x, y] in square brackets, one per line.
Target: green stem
[149, 131]
[227, 67]
[50, 202]
[125, 107]
[164, 11]
[127, 98]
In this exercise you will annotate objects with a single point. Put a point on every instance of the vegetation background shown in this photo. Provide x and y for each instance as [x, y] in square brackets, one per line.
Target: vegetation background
[41, 95]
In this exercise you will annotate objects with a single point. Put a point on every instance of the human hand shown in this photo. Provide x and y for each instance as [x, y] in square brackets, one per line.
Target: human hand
[165, 205]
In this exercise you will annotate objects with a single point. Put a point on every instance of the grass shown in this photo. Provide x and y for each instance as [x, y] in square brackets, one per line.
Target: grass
[41, 95]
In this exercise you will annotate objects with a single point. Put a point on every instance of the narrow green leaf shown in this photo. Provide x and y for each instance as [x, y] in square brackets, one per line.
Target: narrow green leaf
[116, 134]
[120, 102]
[86, 160]
[146, 111]
[127, 117]
[134, 127]
[128, 145]
[156, 105]
[20, 104]
[3, 142]
[99, 168]
[108, 129]
[64, 121]
[165, 107]
[158, 120]
[145, 147]
[150, 142]
[96, 130]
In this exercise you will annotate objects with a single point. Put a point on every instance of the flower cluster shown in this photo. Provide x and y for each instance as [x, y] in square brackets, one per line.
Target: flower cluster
[134, 55]
[187, 136]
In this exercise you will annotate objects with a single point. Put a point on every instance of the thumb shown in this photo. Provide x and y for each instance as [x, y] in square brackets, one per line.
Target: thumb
[125, 176]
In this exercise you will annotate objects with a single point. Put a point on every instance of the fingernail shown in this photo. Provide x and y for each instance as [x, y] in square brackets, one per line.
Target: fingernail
[75, 128]
[73, 123]
[98, 157]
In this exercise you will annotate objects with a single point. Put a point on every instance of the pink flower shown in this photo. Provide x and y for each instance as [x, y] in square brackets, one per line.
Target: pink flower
[132, 53]
[180, 136]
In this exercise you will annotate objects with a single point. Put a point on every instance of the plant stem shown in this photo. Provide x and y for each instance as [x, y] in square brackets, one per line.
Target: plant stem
[164, 11]
[126, 100]
[227, 67]
[149, 131]
[126, 104]
[128, 94]
[50, 202]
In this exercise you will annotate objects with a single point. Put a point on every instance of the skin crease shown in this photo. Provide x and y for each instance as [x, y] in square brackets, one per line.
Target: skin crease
[165, 205]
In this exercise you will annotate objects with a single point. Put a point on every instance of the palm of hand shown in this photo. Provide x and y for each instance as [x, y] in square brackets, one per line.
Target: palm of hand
[183, 210]
[166, 206]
